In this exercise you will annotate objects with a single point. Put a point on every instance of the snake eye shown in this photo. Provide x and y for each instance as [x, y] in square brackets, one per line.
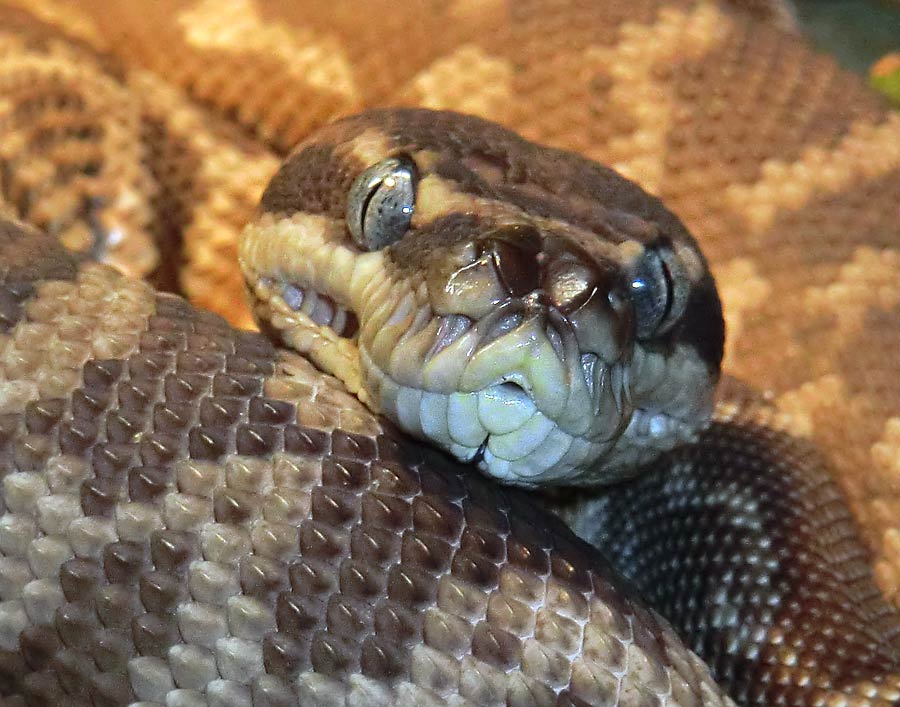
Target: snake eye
[381, 202]
[659, 288]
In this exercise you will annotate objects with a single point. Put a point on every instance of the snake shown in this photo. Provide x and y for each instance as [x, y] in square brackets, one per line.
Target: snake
[346, 508]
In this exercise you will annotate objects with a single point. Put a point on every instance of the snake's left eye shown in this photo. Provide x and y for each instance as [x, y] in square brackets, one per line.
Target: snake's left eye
[381, 202]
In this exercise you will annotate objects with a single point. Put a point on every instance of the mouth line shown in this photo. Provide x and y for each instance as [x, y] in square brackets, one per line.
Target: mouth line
[322, 309]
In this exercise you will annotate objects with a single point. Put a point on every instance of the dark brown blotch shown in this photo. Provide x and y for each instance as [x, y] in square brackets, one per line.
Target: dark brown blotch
[382, 660]
[160, 449]
[323, 542]
[172, 417]
[476, 570]
[77, 436]
[221, 411]
[348, 617]
[31, 452]
[116, 605]
[186, 387]
[111, 689]
[397, 624]
[236, 385]
[411, 586]
[112, 649]
[271, 412]
[75, 670]
[125, 425]
[485, 543]
[87, 404]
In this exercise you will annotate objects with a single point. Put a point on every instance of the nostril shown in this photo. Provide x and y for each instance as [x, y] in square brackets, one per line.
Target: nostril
[515, 250]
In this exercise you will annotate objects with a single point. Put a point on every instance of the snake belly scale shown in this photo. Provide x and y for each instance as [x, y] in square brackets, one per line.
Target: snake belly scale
[194, 516]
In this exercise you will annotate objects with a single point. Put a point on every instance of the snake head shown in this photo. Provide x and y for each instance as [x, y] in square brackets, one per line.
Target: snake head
[521, 307]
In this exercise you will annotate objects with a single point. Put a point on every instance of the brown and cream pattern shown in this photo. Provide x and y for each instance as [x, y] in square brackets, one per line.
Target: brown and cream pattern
[784, 167]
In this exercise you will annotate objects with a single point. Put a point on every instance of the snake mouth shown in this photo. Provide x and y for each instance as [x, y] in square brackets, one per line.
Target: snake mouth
[511, 392]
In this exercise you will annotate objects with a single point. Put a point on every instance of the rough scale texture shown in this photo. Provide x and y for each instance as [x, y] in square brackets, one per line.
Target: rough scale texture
[786, 169]
[193, 517]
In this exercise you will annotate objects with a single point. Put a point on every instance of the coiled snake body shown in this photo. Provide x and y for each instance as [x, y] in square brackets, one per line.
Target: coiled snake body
[193, 516]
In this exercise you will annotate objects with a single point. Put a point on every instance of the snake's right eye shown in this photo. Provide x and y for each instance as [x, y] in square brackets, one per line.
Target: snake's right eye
[659, 290]
[381, 202]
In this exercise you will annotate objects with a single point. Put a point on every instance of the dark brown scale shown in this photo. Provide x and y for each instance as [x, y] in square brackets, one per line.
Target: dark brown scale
[172, 551]
[409, 585]
[79, 578]
[147, 483]
[373, 544]
[263, 577]
[297, 613]
[475, 569]
[186, 387]
[425, 552]
[347, 445]
[345, 474]
[154, 634]
[125, 426]
[39, 645]
[362, 579]
[437, 516]
[515, 251]
[161, 592]
[111, 689]
[257, 440]
[99, 496]
[42, 416]
[235, 507]
[31, 452]
[284, 656]
[306, 441]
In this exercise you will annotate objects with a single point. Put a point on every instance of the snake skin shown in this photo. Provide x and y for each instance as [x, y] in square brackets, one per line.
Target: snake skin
[786, 169]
